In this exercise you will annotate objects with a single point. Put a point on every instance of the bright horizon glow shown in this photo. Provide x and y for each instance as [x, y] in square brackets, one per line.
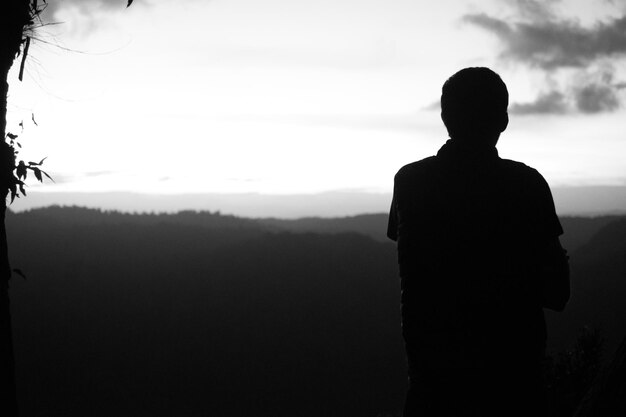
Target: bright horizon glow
[281, 97]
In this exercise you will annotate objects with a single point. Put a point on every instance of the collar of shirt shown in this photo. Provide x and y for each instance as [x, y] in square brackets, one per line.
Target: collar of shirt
[460, 153]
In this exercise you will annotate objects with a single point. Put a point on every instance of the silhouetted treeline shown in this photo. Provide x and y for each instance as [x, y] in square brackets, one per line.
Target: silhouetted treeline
[138, 316]
[207, 314]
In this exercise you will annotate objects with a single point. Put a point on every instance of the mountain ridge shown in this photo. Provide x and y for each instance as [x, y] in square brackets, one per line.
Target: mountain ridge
[161, 314]
[569, 200]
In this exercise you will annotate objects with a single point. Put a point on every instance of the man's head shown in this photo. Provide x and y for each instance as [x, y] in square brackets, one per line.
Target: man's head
[474, 105]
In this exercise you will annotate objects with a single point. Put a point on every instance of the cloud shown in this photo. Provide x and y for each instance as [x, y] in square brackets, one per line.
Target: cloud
[84, 16]
[54, 6]
[535, 10]
[587, 92]
[619, 3]
[435, 105]
[589, 99]
[596, 98]
[552, 44]
[583, 56]
[552, 102]
[98, 173]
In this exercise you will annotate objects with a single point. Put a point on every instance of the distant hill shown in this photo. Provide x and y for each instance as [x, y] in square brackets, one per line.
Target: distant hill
[200, 313]
[570, 201]
[155, 315]
[372, 225]
[579, 230]
[598, 286]
[87, 216]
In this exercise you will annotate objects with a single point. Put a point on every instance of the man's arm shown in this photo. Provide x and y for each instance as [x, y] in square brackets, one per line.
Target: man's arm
[392, 224]
[553, 260]
[554, 276]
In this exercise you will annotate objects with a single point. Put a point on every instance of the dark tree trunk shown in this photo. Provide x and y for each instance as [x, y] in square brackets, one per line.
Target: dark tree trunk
[14, 16]
[8, 393]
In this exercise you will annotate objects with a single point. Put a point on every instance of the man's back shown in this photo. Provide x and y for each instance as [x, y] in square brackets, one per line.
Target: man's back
[475, 233]
[468, 230]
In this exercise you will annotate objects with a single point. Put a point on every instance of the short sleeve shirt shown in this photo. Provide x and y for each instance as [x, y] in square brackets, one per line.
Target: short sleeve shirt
[468, 229]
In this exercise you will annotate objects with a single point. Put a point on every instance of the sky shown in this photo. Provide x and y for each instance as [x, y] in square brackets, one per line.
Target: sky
[284, 97]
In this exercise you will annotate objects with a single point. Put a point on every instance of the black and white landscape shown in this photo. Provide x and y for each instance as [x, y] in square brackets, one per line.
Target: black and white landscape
[198, 313]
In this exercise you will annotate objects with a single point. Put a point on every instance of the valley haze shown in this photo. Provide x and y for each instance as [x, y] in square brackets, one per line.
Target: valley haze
[579, 201]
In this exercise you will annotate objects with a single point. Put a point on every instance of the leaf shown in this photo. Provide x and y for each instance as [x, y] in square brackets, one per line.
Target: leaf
[32, 116]
[129, 3]
[36, 164]
[46, 174]
[37, 172]
[12, 136]
[13, 189]
[22, 190]
[21, 171]
[20, 273]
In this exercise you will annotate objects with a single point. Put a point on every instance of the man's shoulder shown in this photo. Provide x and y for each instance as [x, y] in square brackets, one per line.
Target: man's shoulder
[520, 170]
[424, 169]
[431, 163]
[417, 168]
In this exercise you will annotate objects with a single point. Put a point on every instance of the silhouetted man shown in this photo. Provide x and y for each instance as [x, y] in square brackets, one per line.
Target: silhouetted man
[479, 258]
